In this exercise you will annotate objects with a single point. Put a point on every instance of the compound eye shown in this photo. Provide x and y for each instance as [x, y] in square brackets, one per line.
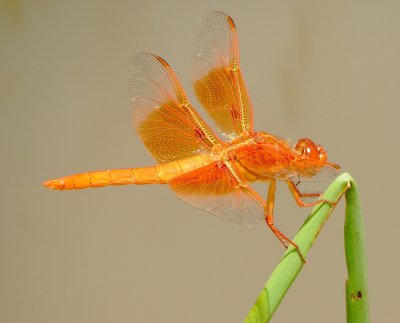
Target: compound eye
[323, 156]
[307, 149]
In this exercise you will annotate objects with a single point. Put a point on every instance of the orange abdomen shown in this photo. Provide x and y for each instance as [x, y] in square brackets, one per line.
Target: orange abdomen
[105, 178]
[159, 174]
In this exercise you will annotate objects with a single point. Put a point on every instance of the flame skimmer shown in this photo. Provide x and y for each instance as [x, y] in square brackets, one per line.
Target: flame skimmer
[201, 169]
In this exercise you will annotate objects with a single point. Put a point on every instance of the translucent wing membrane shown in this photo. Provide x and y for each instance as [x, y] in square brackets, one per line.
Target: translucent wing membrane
[161, 113]
[216, 76]
[313, 171]
[214, 188]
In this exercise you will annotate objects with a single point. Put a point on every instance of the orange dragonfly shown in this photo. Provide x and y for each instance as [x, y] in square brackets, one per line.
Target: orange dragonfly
[204, 171]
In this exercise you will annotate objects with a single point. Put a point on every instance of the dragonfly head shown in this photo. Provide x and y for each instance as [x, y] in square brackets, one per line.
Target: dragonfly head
[309, 150]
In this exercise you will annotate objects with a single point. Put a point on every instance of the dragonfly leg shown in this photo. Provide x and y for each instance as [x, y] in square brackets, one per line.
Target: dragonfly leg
[299, 195]
[269, 218]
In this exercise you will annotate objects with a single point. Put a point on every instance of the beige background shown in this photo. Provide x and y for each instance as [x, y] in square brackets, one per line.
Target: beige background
[328, 70]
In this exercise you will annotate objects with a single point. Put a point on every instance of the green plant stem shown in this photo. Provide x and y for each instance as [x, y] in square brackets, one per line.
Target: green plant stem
[357, 283]
[290, 264]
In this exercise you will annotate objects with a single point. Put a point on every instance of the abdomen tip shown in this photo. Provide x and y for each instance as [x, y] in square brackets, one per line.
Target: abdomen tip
[53, 184]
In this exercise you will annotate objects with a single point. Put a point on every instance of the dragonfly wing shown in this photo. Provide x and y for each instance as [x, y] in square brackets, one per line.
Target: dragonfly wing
[314, 171]
[162, 115]
[216, 76]
[217, 189]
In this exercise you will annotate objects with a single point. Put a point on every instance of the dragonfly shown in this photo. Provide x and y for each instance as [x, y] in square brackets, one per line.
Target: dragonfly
[208, 172]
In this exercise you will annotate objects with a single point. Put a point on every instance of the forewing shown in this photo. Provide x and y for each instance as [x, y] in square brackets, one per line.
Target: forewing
[216, 76]
[216, 189]
[161, 113]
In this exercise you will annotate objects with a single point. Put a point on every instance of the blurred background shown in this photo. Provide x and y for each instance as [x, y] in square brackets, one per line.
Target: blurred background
[328, 70]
